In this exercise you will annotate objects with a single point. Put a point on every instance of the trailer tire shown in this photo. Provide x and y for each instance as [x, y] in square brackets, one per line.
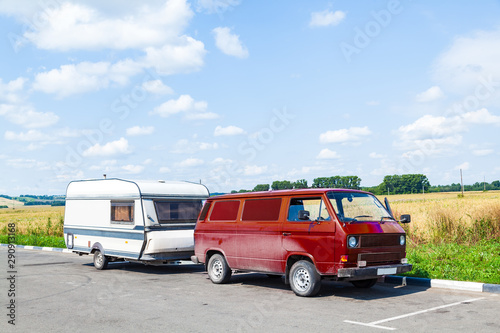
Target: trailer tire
[304, 279]
[100, 260]
[218, 269]
[365, 284]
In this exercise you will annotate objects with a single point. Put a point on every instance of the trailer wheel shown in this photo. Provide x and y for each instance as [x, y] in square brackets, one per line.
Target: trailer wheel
[304, 279]
[218, 269]
[100, 260]
[364, 283]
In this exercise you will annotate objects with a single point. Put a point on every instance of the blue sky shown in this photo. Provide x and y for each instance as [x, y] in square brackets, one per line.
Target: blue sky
[237, 93]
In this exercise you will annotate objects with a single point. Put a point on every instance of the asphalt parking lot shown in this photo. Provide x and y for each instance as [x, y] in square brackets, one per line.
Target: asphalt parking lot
[60, 292]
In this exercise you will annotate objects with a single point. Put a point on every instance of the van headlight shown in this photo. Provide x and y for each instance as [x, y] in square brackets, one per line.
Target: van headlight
[352, 241]
[402, 240]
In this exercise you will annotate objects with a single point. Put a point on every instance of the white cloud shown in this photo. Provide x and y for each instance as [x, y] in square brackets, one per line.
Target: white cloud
[327, 154]
[25, 116]
[376, 155]
[350, 135]
[229, 43]
[184, 146]
[483, 152]
[72, 26]
[463, 166]
[373, 103]
[31, 135]
[157, 87]
[84, 77]
[431, 94]
[470, 60]
[138, 130]
[254, 170]
[184, 104]
[183, 56]
[10, 92]
[228, 131]
[326, 18]
[118, 147]
[481, 116]
[190, 162]
[215, 6]
[164, 170]
[133, 169]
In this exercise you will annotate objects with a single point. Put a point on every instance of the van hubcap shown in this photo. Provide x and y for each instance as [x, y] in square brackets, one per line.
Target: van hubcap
[217, 269]
[301, 279]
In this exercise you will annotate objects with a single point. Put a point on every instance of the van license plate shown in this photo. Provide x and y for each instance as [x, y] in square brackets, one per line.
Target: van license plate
[386, 271]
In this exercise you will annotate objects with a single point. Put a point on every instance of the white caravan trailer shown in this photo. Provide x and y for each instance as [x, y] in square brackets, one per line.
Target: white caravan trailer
[146, 221]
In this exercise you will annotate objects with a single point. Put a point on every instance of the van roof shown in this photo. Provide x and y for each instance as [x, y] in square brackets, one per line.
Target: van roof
[302, 191]
[131, 189]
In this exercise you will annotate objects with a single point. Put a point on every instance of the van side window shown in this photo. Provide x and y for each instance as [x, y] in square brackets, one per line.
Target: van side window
[178, 211]
[122, 212]
[261, 210]
[225, 210]
[204, 212]
[315, 207]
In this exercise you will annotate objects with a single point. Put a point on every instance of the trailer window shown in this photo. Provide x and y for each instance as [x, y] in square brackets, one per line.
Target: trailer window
[122, 212]
[181, 211]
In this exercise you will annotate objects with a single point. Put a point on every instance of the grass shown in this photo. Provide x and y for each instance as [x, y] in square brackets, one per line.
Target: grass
[478, 263]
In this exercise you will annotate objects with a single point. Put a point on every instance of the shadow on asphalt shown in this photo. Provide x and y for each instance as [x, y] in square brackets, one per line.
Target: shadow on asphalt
[331, 288]
[328, 288]
[152, 269]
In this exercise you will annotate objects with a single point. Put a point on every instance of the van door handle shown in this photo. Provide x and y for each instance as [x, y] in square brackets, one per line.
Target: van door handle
[287, 234]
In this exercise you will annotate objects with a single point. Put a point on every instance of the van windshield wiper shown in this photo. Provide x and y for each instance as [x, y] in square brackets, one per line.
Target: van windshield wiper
[354, 219]
[386, 217]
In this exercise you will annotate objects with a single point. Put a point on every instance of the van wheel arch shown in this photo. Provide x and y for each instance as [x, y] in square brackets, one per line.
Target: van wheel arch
[292, 260]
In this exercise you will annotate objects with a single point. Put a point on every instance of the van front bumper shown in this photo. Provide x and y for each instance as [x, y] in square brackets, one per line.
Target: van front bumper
[359, 273]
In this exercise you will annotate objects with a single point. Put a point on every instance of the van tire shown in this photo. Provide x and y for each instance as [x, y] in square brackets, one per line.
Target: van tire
[304, 279]
[218, 269]
[365, 284]
[100, 260]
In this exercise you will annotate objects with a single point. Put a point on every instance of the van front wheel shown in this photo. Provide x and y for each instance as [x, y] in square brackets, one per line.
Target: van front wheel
[304, 279]
[100, 260]
[218, 269]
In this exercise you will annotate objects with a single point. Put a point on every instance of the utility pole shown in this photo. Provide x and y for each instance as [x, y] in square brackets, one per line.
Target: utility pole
[462, 182]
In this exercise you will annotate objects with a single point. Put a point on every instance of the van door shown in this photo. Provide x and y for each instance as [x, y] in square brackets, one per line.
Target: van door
[259, 236]
[309, 228]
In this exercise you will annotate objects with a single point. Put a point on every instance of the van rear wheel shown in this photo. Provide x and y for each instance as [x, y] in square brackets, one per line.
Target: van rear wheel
[364, 283]
[218, 269]
[304, 279]
[100, 260]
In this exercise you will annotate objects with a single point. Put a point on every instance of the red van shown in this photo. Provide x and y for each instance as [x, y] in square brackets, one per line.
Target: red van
[305, 234]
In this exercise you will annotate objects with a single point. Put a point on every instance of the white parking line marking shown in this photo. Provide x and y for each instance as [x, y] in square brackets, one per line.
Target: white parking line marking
[375, 323]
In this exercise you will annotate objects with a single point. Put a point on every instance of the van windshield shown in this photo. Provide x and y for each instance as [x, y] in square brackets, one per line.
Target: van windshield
[357, 207]
[178, 211]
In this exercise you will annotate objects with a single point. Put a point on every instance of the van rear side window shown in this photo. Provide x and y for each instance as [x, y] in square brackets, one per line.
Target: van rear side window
[225, 211]
[178, 211]
[261, 210]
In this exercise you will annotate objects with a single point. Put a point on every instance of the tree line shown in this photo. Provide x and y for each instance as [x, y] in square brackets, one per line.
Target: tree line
[392, 184]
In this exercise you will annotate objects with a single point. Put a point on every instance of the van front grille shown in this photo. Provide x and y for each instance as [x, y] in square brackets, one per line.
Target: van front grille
[379, 240]
[379, 258]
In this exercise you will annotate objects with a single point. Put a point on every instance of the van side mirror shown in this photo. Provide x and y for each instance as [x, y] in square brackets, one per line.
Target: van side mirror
[303, 215]
[405, 218]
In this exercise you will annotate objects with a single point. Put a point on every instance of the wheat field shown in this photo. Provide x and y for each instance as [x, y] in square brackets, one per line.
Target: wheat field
[448, 217]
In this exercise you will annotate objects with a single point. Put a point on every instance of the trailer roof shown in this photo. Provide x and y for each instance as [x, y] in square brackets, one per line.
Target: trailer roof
[131, 189]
